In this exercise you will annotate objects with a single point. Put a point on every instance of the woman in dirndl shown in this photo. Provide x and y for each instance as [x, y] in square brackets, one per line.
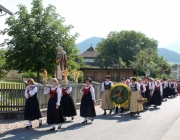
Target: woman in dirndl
[54, 111]
[67, 103]
[88, 101]
[32, 111]
[135, 106]
[157, 94]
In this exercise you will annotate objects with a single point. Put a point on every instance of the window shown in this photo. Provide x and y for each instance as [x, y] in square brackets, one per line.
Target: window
[88, 60]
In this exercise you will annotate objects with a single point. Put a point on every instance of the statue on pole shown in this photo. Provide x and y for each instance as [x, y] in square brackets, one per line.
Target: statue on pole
[61, 61]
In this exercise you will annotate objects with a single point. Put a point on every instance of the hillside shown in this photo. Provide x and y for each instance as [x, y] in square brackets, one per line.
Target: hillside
[169, 55]
[175, 46]
[84, 45]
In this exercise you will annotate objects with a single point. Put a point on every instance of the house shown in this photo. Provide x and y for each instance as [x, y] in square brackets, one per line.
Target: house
[178, 72]
[89, 56]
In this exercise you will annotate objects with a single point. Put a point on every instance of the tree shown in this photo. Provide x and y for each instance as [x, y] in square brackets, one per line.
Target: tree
[149, 59]
[174, 66]
[3, 72]
[35, 36]
[122, 45]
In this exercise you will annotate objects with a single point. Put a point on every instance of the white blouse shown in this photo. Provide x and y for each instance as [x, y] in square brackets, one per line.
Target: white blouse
[92, 91]
[144, 88]
[68, 90]
[59, 93]
[153, 89]
[106, 83]
[137, 84]
[32, 91]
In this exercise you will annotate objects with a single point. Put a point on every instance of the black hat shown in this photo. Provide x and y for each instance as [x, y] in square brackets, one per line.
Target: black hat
[108, 76]
[133, 78]
[89, 79]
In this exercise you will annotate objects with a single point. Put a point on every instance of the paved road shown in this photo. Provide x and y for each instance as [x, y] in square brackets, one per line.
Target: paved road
[162, 123]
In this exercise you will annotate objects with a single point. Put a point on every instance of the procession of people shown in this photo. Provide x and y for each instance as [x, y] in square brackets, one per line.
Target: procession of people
[60, 105]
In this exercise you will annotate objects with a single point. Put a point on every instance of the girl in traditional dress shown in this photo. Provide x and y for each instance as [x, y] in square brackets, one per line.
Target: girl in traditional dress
[175, 89]
[147, 92]
[88, 101]
[54, 111]
[105, 92]
[32, 111]
[164, 87]
[67, 104]
[171, 88]
[157, 94]
[135, 106]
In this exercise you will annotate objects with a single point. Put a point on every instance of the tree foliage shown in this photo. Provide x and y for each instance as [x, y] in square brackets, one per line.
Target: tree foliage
[3, 71]
[149, 59]
[35, 36]
[121, 47]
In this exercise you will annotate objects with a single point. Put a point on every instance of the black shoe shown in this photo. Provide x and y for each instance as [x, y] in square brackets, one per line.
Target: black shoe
[52, 129]
[65, 120]
[92, 119]
[110, 111]
[104, 113]
[84, 121]
[72, 118]
[40, 123]
[59, 127]
[28, 126]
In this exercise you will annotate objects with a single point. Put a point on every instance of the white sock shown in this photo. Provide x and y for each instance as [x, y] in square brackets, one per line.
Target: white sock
[85, 119]
[29, 123]
[40, 121]
[52, 126]
[59, 125]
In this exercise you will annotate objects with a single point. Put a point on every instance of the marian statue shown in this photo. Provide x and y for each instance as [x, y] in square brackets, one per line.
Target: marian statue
[61, 61]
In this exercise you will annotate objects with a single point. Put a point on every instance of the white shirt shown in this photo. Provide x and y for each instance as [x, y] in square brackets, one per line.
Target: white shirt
[59, 93]
[155, 85]
[137, 86]
[144, 87]
[92, 91]
[68, 90]
[106, 83]
[32, 91]
[173, 84]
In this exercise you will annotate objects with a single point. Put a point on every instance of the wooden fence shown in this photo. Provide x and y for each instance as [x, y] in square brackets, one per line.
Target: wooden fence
[12, 96]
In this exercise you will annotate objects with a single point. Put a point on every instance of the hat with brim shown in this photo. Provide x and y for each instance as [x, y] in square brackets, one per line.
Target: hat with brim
[108, 76]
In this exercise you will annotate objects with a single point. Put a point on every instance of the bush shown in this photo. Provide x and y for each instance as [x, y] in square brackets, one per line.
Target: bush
[80, 78]
[30, 74]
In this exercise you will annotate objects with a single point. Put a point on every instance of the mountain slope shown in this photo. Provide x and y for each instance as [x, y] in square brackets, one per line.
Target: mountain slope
[84, 45]
[175, 46]
[169, 55]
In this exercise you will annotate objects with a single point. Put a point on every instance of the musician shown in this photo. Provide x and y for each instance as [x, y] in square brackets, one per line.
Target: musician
[135, 107]
[54, 111]
[156, 94]
[88, 101]
[32, 111]
[105, 93]
[67, 103]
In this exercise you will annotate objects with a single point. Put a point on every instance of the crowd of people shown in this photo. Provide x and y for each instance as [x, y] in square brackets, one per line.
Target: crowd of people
[61, 105]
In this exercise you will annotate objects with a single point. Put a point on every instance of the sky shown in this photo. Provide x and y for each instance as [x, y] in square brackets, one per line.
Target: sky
[158, 19]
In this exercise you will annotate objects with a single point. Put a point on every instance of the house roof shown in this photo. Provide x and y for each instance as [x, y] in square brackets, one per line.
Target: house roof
[5, 10]
[89, 53]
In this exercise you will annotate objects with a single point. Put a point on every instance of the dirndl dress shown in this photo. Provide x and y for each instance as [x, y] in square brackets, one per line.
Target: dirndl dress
[67, 104]
[87, 106]
[54, 116]
[156, 98]
[32, 111]
[135, 106]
